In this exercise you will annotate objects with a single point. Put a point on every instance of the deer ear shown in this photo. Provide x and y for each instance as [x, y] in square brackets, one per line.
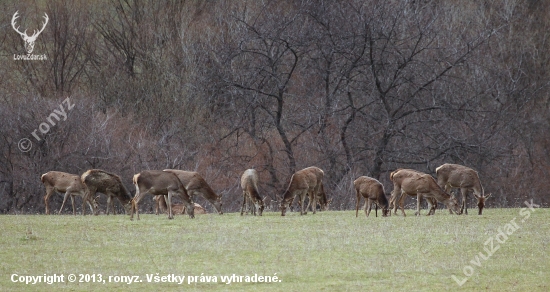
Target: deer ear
[488, 196]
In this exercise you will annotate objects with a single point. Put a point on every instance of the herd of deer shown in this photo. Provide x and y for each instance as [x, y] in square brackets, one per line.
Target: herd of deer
[308, 182]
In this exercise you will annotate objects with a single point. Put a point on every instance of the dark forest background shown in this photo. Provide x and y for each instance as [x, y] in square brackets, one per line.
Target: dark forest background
[353, 87]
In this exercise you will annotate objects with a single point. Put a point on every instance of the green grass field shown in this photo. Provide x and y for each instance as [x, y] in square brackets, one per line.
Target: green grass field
[328, 251]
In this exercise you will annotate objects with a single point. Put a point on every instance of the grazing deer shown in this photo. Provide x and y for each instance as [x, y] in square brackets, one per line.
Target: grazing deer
[305, 182]
[396, 201]
[415, 183]
[160, 183]
[29, 40]
[70, 184]
[322, 201]
[195, 184]
[457, 176]
[109, 184]
[373, 191]
[249, 184]
[177, 209]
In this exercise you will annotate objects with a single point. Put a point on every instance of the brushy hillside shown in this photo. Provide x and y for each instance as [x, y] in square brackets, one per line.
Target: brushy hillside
[503, 250]
[356, 87]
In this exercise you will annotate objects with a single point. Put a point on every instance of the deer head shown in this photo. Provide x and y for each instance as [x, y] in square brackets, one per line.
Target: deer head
[481, 202]
[29, 40]
[452, 204]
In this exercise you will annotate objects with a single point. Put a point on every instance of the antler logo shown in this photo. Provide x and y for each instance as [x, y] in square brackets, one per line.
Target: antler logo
[29, 40]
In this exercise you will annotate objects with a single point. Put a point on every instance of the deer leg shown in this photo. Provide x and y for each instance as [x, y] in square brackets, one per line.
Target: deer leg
[303, 203]
[112, 196]
[88, 195]
[165, 198]
[448, 191]
[93, 203]
[156, 199]
[306, 195]
[244, 201]
[135, 202]
[357, 203]
[49, 192]
[313, 200]
[256, 205]
[401, 203]
[398, 198]
[63, 204]
[249, 206]
[464, 207]
[391, 204]
[109, 200]
[430, 206]
[169, 203]
[84, 199]
[368, 206]
[72, 204]
[418, 202]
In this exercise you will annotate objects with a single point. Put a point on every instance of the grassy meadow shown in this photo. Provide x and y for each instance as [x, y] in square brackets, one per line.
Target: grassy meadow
[328, 251]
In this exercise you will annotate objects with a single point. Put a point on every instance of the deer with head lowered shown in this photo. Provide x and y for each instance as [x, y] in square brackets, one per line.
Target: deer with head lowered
[457, 176]
[373, 192]
[321, 198]
[414, 183]
[29, 40]
[398, 199]
[249, 184]
[109, 184]
[305, 182]
[160, 183]
[195, 184]
[70, 184]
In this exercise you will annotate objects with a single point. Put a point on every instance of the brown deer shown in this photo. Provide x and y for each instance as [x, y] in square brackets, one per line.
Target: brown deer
[396, 201]
[373, 192]
[457, 176]
[177, 209]
[70, 184]
[195, 184]
[321, 199]
[415, 183]
[305, 182]
[160, 183]
[249, 184]
[109, 184]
